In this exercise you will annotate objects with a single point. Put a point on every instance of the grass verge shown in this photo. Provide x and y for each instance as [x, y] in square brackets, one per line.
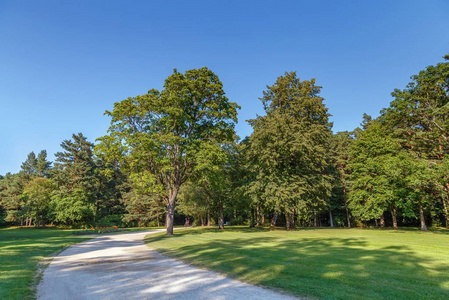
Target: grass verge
[21, 249]
[321, 263]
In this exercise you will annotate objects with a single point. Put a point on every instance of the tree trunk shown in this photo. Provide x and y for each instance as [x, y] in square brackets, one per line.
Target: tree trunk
[257, 215]
[382, 221]
[251, 218]
[393, 214]
[202, 221]
[37, 217]
[331, 219]
[169, 218]
[314, 219]
[262, 217]
[26, 221]
[347, 209]
[220, 216]
[421, 216]
[274, 219]
[445, 212]
[287, 221]
[235, 214]
[208, 217]
[292, 219]
[171, 211]
[375, 220]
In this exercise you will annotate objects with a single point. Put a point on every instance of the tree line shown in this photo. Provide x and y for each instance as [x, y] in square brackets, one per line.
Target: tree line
[173, 154]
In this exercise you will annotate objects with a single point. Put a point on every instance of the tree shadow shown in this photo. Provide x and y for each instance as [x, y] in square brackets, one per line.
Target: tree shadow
[327, 268]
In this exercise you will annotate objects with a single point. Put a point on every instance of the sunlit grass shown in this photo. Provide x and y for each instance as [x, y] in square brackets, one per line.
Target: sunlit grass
[322, 263]
[20, 251]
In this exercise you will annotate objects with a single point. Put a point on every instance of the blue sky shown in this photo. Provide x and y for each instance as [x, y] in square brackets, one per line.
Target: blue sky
[63, 63]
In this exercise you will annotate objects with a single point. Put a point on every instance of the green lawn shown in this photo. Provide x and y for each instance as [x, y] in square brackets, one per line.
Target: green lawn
[321, 263]
[20, 251]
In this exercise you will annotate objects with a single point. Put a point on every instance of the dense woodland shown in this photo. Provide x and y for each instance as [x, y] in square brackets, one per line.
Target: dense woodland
[173, 155]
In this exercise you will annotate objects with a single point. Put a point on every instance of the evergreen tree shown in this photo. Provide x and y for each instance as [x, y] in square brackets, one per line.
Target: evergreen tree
[73, 201]
[340, 144]
[289, 147]
[419, 118]
[11, 189]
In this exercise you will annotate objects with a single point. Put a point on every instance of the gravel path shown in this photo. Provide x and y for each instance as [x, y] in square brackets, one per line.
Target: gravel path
[122, 267]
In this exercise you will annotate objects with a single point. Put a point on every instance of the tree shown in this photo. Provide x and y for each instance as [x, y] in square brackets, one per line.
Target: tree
[73, 201]
[340, 144]
[419, 118]
[36, 166]
[37, 192]
[159, 134]
[11, 189]
[289, 147]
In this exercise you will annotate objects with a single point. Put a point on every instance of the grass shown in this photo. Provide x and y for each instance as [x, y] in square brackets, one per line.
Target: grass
[321, 263]
[20, 251]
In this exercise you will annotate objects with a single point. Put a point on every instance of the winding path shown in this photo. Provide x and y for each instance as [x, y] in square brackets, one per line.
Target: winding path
[122, 267]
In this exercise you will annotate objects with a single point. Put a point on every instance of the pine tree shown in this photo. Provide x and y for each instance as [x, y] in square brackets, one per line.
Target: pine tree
[74, 175]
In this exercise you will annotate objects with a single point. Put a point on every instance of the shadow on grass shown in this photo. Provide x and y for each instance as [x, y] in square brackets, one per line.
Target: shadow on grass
[327, 268]
[20, 251]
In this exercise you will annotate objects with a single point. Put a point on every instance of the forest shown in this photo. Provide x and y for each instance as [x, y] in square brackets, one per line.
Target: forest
[173, 155]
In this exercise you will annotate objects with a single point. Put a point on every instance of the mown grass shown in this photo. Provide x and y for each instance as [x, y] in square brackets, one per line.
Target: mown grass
[321, 263]
[20, 251]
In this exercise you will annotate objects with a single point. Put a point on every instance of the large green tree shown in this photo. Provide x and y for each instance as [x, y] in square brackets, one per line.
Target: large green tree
[37, 193]
[159, 134]
[419, 118]
[289, 147]
[73, 201]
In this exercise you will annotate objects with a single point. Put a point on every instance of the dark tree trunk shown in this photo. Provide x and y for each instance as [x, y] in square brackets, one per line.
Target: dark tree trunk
[421, 216]
[220, 216]
[292, 219]
[208, 217]
[274, 219]
[393, 214]
[375, 220]
[37, 217]
[331, 219]
[446, 212]
[262, 217]
[287, 221]
[315, 224]
[257, 215]
[382, 221]
[251, 216]
[347, 209]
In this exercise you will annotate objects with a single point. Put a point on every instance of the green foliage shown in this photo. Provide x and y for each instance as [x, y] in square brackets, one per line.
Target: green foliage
[74, 174]
[289, 147]
[37, 193]
[158, 135]
[11, 188]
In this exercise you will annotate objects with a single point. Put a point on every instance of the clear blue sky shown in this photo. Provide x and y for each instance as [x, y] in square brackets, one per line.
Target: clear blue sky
[63, 63]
